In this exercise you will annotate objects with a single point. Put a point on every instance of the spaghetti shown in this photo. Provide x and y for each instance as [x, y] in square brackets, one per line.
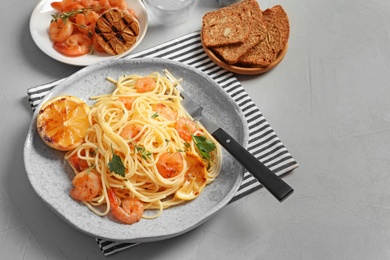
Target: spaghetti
[143, 146]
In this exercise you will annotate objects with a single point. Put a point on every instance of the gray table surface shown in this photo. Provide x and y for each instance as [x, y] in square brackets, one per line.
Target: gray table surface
[328, 101]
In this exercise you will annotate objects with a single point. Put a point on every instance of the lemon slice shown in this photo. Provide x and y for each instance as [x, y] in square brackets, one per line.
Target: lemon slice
[195, 178]
[62, 122]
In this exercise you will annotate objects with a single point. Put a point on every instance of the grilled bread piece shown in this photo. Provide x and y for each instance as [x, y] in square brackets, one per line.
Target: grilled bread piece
[227, 25]
[116, 31]
[275, 40]
[232, 53]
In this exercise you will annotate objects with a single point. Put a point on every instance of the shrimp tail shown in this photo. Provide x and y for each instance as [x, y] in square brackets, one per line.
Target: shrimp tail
[112, 197]
[130, 210]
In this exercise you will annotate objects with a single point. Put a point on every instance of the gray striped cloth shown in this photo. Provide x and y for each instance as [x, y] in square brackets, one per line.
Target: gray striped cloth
[263, 142]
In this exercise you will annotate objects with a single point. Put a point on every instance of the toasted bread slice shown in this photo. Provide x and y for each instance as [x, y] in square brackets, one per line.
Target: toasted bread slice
[227, 25]
[232, 53]
[276, 38]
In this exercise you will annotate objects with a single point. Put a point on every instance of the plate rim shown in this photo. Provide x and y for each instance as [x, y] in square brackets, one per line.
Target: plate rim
[78, 61]
[221, 204]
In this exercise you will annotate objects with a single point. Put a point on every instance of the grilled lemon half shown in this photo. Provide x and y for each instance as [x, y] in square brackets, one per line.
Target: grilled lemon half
[116, 31]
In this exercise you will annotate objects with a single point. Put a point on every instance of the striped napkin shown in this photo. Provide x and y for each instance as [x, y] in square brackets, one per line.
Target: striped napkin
[263, 142]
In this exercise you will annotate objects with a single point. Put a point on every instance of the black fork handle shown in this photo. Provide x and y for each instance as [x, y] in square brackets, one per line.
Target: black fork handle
[273, 183]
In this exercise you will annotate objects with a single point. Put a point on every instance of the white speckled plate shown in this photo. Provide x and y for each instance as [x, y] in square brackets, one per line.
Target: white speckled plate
[51, 176]
[39, 25]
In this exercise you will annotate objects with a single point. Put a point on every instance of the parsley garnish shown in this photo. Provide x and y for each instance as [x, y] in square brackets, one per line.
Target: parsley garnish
[204, 146]
[66, 15]
[116, 164]
[155, 115]
[145, 154]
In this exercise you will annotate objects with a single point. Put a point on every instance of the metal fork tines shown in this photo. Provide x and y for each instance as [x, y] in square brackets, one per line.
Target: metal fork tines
[193, 108]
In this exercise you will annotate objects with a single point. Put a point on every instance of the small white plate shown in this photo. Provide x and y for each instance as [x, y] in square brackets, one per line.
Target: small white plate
[39, 25]
[50, 175]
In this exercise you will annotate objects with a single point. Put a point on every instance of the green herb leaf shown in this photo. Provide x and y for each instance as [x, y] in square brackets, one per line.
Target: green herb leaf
[145, 154]
[204, 146]
[116, 164]
[66, 15]
[155, 115]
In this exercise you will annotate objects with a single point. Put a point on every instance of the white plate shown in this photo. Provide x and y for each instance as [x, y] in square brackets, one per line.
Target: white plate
[51, 176]
[39, 25]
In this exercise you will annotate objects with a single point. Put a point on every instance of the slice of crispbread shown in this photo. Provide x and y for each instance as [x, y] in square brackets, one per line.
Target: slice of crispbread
[232, 53]
[276, 38]
[227, 25]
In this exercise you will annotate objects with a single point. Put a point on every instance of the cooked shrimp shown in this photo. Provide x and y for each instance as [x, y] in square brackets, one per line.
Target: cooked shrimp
[75, 45]
[96, 46]
[120, 4]
[185, 127]
[93, 4]
[87, 186]
[70, 5]
[57, 6]
[60, 30]
[130, 131]
[145, 84]
[127, 101]
[170, 164]
[86, 21]
[104, 5]
[165, 111]
[130, 210]
[77, 163]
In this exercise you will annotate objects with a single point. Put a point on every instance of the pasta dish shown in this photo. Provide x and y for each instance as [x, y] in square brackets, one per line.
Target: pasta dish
[142, 152]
